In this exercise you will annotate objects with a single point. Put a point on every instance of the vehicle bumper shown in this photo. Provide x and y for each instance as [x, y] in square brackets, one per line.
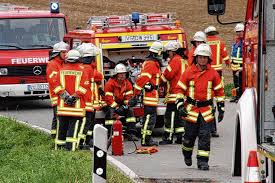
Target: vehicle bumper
[24, 90]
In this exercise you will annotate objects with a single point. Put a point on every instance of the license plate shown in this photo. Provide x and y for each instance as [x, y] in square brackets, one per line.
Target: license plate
[149, 37]
[36, 87]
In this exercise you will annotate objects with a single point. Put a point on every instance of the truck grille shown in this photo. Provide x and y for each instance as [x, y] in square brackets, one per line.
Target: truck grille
[35, 70]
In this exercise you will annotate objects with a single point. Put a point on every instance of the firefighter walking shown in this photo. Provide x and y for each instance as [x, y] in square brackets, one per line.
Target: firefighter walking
[148, 83]
[71, 88]
[237, 61]
[199, 84]
[219, 54]
[177, 65]
[118, 91]
[57, 57]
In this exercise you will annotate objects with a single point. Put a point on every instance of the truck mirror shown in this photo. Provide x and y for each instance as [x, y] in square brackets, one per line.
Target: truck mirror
[216, 7]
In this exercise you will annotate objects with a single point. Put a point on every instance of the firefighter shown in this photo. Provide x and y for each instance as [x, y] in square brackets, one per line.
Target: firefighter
[118, 91]
[199, 84]
[56, 60]
[198, 38]
[177, 65]
[88, 52]
[219, 54]
[237, 60]
[71, 88]
[149, 81]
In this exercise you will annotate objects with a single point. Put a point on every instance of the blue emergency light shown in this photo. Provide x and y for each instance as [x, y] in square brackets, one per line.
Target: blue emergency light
[54, 7]
[135, 17]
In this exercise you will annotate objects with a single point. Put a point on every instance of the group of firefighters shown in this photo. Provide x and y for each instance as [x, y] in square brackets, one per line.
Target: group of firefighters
[194, 86]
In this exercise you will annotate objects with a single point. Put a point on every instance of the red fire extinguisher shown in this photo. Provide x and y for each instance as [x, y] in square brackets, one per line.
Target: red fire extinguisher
[117, 139]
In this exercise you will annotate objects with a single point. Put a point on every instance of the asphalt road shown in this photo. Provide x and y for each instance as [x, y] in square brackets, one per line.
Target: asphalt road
[168, 163]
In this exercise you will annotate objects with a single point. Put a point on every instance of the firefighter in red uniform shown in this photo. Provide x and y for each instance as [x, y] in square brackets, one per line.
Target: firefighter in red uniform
[89, 52]
[149, 81]
[118, 91]
[57, 57]
[200, 84]
[219, 54]
[171, 75]
[71, 88]
[198, 38]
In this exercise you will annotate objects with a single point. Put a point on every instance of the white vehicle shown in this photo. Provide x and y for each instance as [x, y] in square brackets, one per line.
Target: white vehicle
[255, 120]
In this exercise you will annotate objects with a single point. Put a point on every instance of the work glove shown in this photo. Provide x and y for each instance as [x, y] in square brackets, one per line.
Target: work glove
[71, 100]
[101, 92]
[221, 115]
[64, 95]
[148, 87]
[182, 111]
[133, 102]
[121, 109]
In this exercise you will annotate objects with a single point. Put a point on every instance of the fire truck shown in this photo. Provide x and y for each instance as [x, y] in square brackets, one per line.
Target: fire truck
[126, 39]
[26, 37]
[255, 120]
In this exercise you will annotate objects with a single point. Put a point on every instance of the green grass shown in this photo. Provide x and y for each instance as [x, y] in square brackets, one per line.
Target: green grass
[27, 155]
[227, 89]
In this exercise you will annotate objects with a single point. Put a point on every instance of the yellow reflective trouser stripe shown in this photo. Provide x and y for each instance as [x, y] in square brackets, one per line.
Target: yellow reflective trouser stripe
[168, 130]
[71, 139]
[80, 133]
[90, 132]
[220, 99]
[203, 153]
[109, 122]
[75, 136]
[60, 142]
[131, 119]
[172, 125]
[179, 130]
[53, 132]
[144, 131]
[56, 142]
[187, 148]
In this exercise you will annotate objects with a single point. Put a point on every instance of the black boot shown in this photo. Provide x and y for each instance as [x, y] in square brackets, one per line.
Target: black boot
[214, 134]
[234, 99]
[188, 161]
[165, 142]
[149, 142]
[203, 165]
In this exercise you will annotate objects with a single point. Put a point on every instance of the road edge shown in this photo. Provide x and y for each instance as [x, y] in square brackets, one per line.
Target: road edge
[122, 167]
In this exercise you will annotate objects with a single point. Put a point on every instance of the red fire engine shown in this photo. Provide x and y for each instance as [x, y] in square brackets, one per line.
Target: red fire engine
[126, 39]
[26, 37]
[255, 119]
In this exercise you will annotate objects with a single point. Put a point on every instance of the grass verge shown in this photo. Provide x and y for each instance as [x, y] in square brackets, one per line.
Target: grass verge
[27, 155]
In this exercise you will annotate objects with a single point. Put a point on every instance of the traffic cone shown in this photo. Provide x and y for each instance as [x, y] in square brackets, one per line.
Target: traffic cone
[252, 173]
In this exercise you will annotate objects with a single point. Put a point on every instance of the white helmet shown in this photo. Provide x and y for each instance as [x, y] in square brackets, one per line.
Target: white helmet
[203, 50]
[83, 47]
[156, 47]
[239, 27]
[210, 29]
[120, 68]
[61, 46]
[73, 56]
[172, 46]
[199, 36]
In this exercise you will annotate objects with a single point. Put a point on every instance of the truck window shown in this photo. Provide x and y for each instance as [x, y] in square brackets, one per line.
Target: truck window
[31, 33]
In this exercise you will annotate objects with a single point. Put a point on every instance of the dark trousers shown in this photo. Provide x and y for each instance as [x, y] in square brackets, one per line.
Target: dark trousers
[202, 130]
[54, 122]
[86, 129]
[128, 120]
[237, 79]
[150, 117]
[68, 128]
[173, 124]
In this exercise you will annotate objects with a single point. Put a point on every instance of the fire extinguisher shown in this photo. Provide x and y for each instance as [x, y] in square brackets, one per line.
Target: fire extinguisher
[117, 139]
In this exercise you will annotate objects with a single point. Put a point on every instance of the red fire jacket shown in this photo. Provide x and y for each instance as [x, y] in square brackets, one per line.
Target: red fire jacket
[53, 68]
[201, 86]
[115, 94]
[150, 73]
[219, 52]
[72, 79]
[171, 75]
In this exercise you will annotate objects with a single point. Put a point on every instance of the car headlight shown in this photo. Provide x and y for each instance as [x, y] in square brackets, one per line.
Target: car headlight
[3, 71]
